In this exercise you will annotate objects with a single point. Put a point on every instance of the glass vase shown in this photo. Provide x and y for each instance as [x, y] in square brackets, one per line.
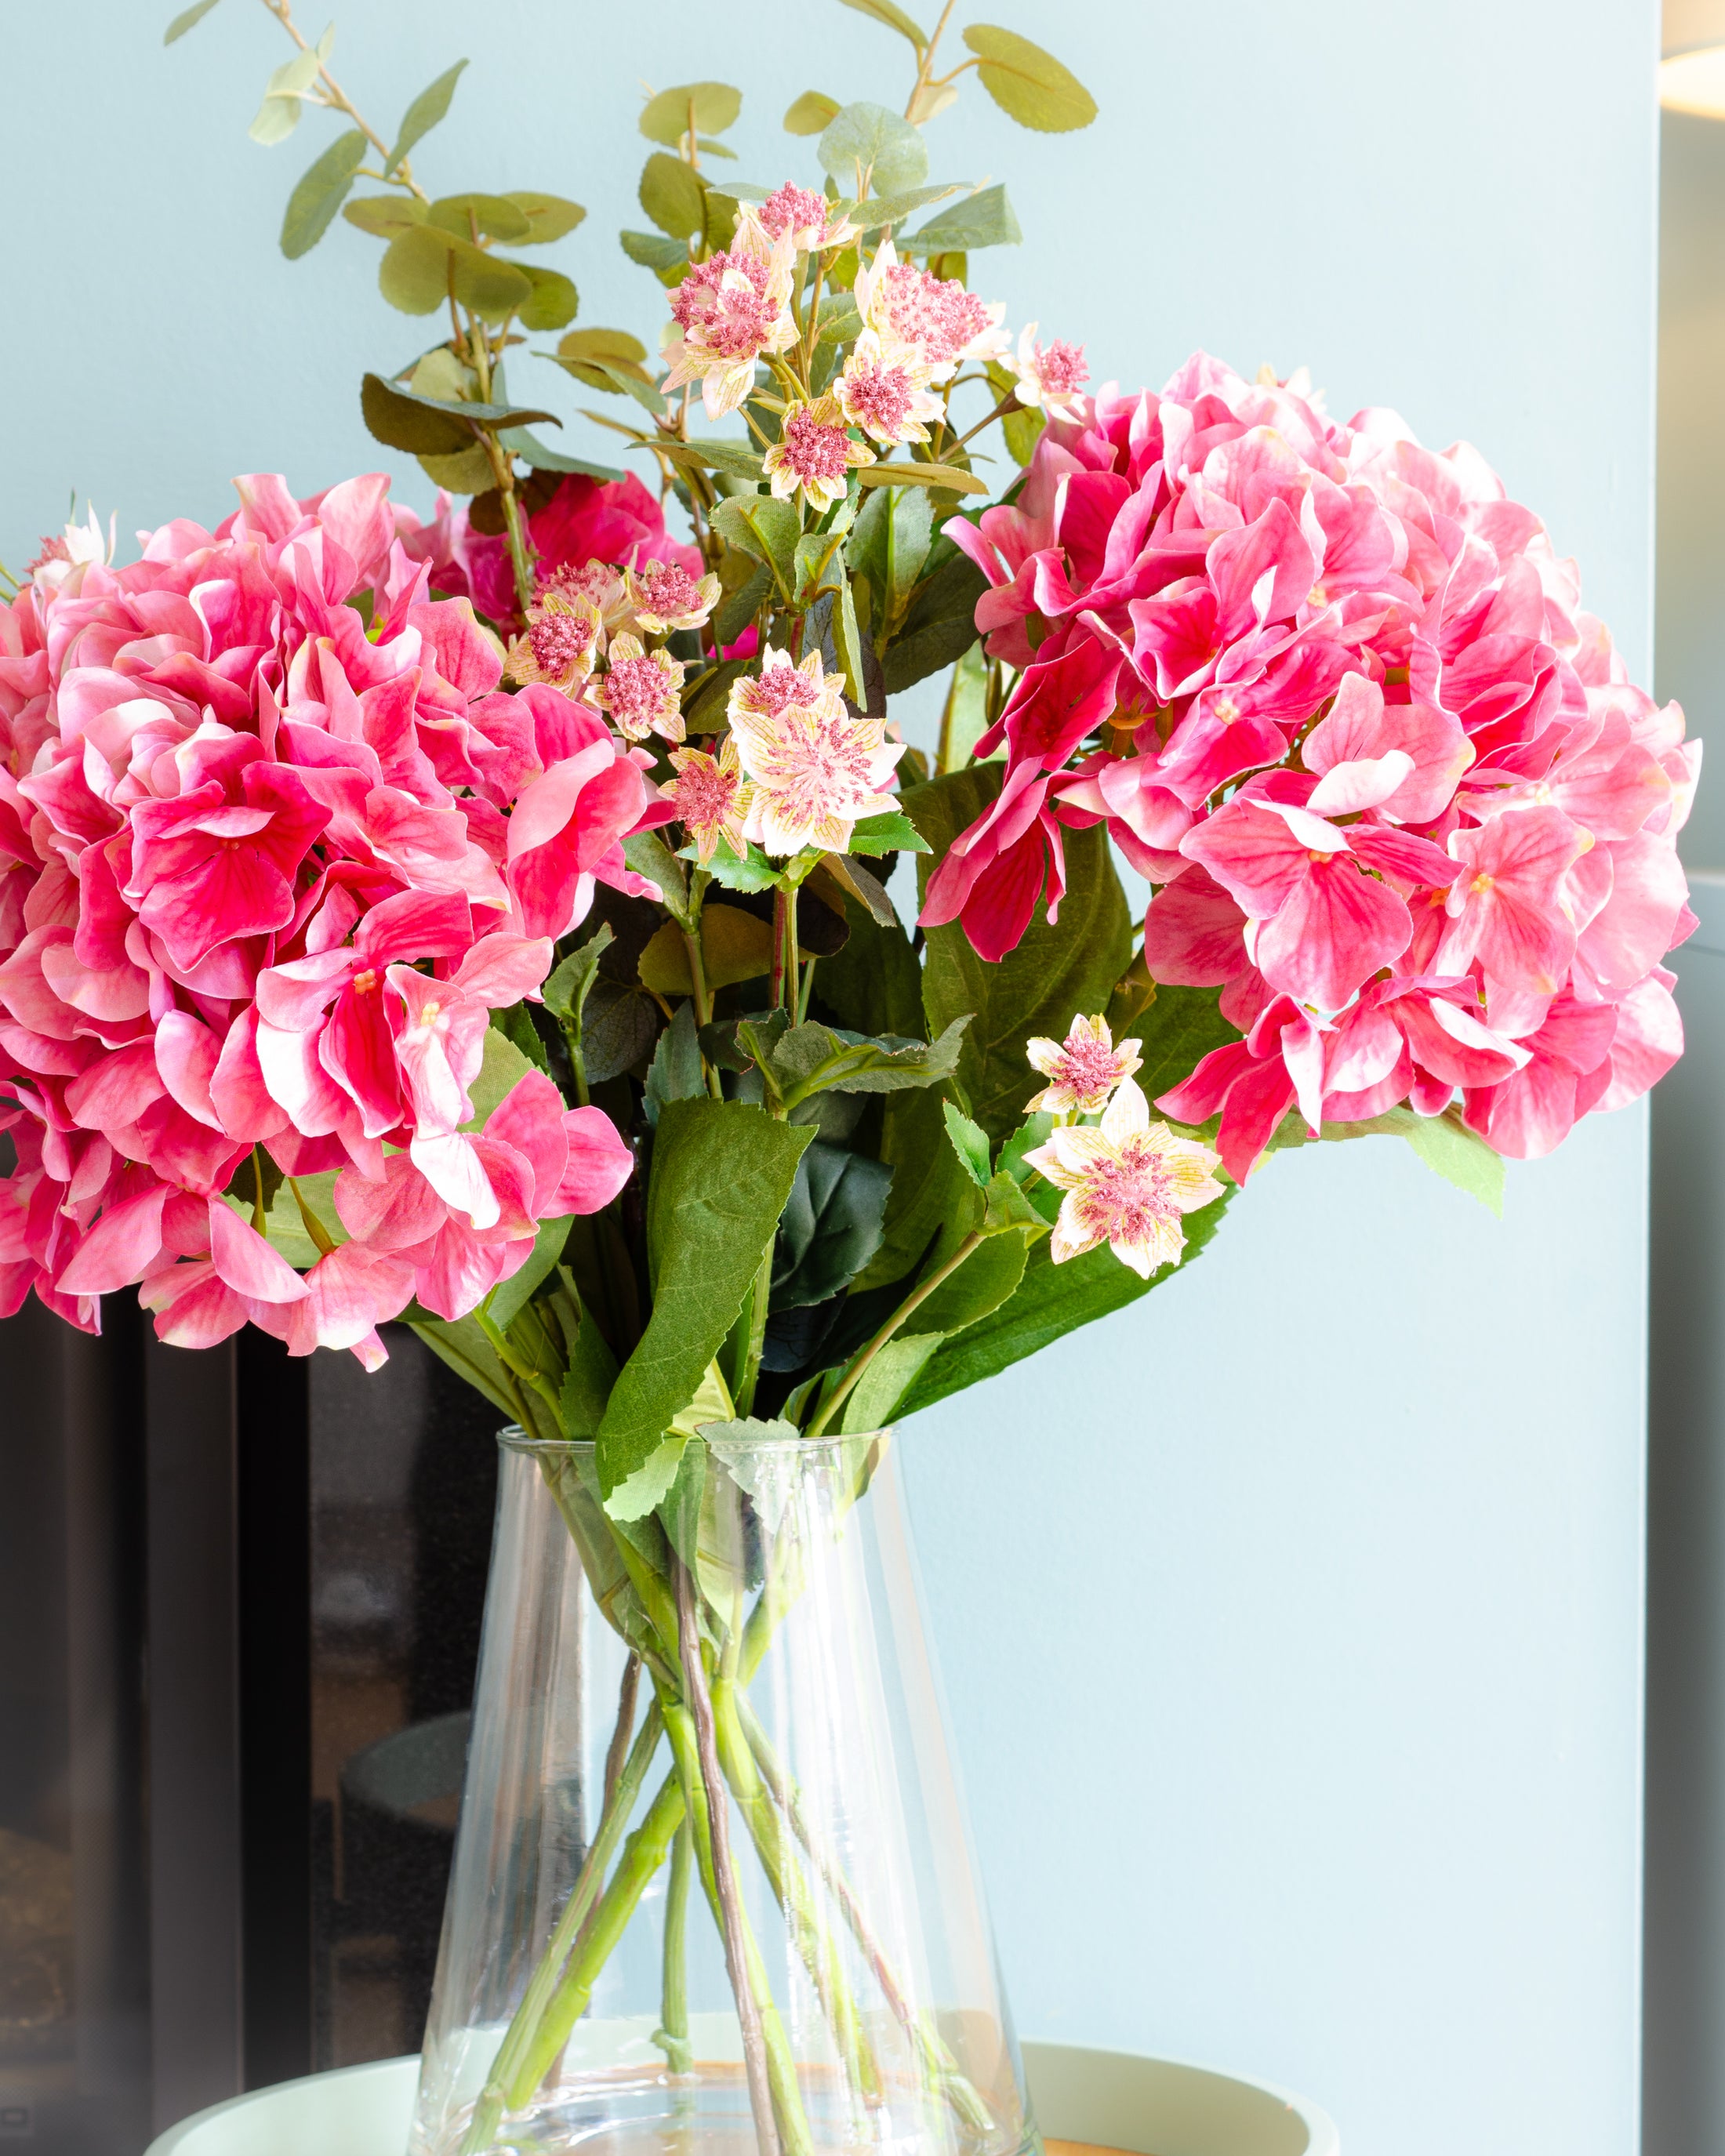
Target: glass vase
[713, 1885]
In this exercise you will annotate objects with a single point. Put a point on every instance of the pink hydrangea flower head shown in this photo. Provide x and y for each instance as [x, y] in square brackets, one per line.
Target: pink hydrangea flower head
[1050, 376]
[882, 390]
[943, 320]
[664, 597]
[817, 771]
[730, 311]
[565, 640]
[814, 455]
[809, 218]
[642, 690]
[1082, 1071]
[1129, 1182]
[712, 798]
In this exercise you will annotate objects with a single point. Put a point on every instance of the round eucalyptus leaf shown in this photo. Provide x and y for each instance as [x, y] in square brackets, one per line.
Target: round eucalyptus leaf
[383, 216]
[549, 217]
[1028, 84]
[867, 140]
[553, 302]
[665, 118]
[672, 197]
[495, 217]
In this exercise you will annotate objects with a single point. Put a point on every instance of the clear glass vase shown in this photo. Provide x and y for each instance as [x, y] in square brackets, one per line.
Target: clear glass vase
[713, 1884]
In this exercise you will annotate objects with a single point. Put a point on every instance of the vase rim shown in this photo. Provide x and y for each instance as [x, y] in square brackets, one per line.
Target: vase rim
[514, 1439]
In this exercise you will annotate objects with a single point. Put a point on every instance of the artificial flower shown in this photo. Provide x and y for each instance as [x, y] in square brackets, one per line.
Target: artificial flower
[565, 639]
[881, 390]
[937, 317]
[729, 311]
[712, 798]
[814, 455]
[1127, 1182]
[817, 771]
[808, 217]
[1049, 375]
[641, 690]
[664, 597]
[1082, 1071]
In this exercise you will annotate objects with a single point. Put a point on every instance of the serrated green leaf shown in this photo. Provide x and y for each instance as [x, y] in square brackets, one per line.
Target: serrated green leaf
[814, 1059]
[287, 89]
[422, 115]
[890, 834]
[321, 191]
[383, 216]
[1036, 988]
[587, 1386]
[761, 525]
[969, 1142]
[812, 110]
[752, 872]
[1028, 84]
[553, 302]
[889, 544]
[675, 1073]
[673, 197]
[1461, 1156]
[735, 614]
[187, 19]
[940, 624]
[983, 219]
[866, 144]
[565, 992]
[893, 1373]
[653, 250]
[466, 471]
[986, 1279]
[549, 217]
[722, 1174]
[648, 854]
[838, 319]
[895, 19]
[831, 1226]
[665, 118]
[848, 638]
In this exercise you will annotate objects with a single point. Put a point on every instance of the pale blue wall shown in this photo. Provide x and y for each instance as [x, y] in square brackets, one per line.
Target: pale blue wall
[1293, 1622]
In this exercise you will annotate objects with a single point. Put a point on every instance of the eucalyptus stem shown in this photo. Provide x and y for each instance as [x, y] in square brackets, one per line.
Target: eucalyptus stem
[724, 1885]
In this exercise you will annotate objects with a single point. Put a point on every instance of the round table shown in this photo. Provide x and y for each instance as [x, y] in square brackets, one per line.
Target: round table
[1104, 2101]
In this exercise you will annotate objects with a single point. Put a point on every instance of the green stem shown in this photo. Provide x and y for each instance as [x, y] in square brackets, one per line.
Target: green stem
[860, 1362]
[727, 1895]
[760, 1295]
[672, 2033]
[520, 2040]
[644, 1851]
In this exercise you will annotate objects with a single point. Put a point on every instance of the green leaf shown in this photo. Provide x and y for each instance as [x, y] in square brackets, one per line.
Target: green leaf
[665, 118]
[592, 1374]
[722, 1174]
[1461, 1156]
[1028, 84]
[512, 1296]
[673, 197]
[279, 115]
[1035, 989]
[419, 266]
[549, 217]
[929, 1188]
[565, 992]
[735, 945]
[831, 1226]
[867, 144]
[620, 1024]
[965, 719]
[383, 216]
[1051, 1301]
[475, 217]
[615, 345]
[675, 1074]
[554, 302]
[848, 639]
[893, 1373]
[940, 627]
[895, 19]
[797, 1063]
[1022, 428]
[989, 1275]
[874, 984]
[838, 319]
[734, 616]
[648, 854]
[521, 442]
[891, 834]
[464, 471]
[189, 20]
[514, 1021]
[652, 250]
[502, 1068]
[812, 110]
[423, 114]
[761, 525]
[732, 457]
[881, 210]
[754, 872]
[889, 544]
[430, 426]
[969, 1142]
[984, 219]
[312, 205]
[906, 473]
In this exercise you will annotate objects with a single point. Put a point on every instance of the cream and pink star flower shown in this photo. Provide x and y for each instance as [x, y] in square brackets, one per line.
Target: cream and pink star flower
[1129, 1182]
[882, 391]
[815, 454]
[663, 597]
[1052, 376]
[642, 690]
[818, 772]
[712, 798]
[1083, 1070]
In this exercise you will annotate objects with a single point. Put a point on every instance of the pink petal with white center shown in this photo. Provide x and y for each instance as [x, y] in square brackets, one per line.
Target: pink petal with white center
[1335, 928]
[452, 1166]
[1346, 789]
[187, 1055]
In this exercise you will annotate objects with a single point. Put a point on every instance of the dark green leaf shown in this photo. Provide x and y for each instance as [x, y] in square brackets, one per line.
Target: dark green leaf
[652, 250]
[940, 627]
[648, 854]
[735, 614]
[1036, 989]
[873, 985]
[895, 19]
[762, 525]
[889, 544]
[673, 197]
[735, 458]
[812, 111]
[867, 143]
[518, 1028]
[566, 991]
[831, 1226]
[722, 1174]
[430, 426]
[312, 205]
[193, 15]
[554, 302]
[984, 219]
[891, 833]
[989, 1275]
[549, 217]
[754, 872]
[521, 442]
[592, 1371]
[1177, 1030]
[479, 217]
[619, 1026]
[665, 118]
[423, 114]
[838, 319]
[1028, 84]
[383, 216]
[675, 1074]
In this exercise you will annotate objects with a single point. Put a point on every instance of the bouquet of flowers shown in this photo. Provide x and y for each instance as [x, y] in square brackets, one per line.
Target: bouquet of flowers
[494, 922]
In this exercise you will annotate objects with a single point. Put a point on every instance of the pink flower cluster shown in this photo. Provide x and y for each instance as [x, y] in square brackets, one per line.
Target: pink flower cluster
[1335, 694]
[272, 848]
